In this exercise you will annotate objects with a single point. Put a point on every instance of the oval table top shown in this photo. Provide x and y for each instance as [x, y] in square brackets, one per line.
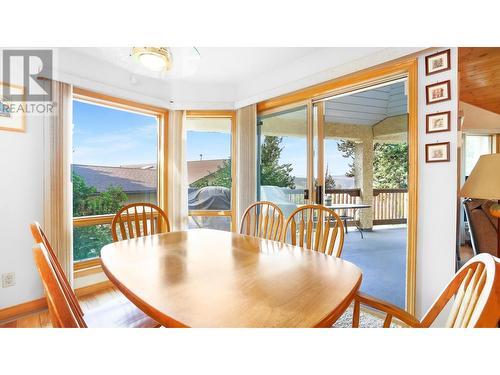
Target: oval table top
[210, 278]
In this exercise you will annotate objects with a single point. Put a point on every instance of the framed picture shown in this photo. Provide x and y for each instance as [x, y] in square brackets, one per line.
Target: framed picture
[437, 62]
[438, 92]
[438, 122]
[437, 152]
[15, 122]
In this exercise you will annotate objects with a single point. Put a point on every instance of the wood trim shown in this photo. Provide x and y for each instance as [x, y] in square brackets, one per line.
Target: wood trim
[163, 167]
[211, 114]
[361, 77]
[310, 153]
[89, 289]
[497, 142]
[413, 146]
[87, 271]
[80, 265]
[320, 129]
[234, 174]
[40, 304]
[88, 221]
[24, 308]
[103, 99]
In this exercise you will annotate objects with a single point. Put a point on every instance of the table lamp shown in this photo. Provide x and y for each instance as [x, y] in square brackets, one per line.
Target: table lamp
[484, 183]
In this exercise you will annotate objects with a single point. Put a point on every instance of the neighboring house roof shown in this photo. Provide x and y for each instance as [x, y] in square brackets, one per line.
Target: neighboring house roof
[198, 169]
[131, 180]
[140, 178]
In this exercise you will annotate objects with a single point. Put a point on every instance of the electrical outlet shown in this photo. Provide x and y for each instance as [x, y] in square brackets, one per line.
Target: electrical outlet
[8, 279]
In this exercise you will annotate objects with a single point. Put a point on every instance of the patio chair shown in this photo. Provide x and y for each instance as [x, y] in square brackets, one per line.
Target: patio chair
[264, 220]
[476, 288]
[316, 228]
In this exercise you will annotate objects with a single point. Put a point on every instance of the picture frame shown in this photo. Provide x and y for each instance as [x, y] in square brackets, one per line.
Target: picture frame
[438, 122]
[438, 92]
[14, 122]
[437, 152]
[437, 62]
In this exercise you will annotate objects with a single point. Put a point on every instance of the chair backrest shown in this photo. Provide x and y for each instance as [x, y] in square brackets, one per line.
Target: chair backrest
[139, 220]
[262, 219]
[476, 292]
[61, 312]
[40, 237]
[316, 228]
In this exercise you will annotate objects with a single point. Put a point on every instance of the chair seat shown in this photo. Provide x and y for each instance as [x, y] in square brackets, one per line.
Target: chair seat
[118, 314]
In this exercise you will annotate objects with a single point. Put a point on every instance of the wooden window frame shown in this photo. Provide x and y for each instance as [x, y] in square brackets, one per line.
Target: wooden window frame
[232, 116]
[93, 265]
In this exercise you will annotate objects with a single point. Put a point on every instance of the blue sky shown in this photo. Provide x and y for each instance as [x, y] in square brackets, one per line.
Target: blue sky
[107, 136]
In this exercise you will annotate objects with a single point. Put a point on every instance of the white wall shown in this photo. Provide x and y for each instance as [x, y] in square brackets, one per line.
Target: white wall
[21, 194]
[437, 187]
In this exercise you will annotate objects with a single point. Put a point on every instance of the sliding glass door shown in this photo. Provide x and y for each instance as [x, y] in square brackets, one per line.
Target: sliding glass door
[363, 174]
[350, 151]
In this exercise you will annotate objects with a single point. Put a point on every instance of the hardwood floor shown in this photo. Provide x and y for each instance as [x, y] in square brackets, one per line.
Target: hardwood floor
[88, 302]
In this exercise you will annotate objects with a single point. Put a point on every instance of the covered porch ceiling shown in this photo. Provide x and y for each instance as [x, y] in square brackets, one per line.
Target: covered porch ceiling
[381, 111]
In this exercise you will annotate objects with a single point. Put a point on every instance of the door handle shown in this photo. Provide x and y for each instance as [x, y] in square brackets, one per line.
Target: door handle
[319, 194]
[306, 193]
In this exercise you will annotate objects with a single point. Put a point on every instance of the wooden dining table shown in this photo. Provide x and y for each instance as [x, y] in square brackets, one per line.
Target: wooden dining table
[211, 278]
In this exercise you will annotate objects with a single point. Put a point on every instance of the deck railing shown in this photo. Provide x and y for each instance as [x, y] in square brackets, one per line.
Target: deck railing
[389, 205]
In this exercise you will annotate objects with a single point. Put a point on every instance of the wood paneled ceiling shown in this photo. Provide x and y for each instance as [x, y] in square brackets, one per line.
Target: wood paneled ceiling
[479, 69]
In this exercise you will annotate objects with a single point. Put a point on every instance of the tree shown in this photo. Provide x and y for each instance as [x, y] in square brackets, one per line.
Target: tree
[88, 241]
[221, 177]
[347, 148]
[329, 181]
[87, 201]
[271, 171]
[390, 165]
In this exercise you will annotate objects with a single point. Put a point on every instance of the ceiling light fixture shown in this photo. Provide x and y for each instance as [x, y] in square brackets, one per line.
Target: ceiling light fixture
[157, 59]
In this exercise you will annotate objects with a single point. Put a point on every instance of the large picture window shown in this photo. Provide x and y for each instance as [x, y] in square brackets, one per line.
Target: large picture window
[115, 162]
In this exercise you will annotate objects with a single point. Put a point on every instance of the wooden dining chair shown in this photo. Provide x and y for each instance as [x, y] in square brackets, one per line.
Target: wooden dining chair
[316, 228]
[60, 296]
[476, 292]
[139, 220]
[262, 219]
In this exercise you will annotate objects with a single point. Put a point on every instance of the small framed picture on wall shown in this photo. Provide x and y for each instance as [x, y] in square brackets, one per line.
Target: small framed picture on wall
[437, 62]
[438, 92]
[438, 122]
[437, 152]
[11, 120]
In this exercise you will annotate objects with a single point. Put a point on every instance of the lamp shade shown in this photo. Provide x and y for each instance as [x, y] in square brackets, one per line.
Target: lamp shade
[484, 180]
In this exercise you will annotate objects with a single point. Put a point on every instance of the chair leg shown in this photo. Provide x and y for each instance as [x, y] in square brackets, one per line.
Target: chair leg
[360, 231]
